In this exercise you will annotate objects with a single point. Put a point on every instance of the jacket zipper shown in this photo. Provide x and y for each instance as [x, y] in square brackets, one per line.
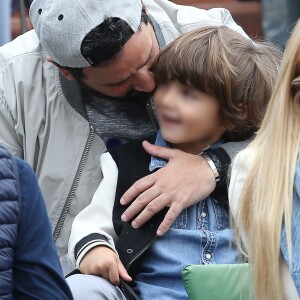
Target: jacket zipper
[74, 186]
[151, 114]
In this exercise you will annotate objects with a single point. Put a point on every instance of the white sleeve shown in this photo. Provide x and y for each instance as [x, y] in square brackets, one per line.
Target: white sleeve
[240, 169]
[239, 174]
[93, 226]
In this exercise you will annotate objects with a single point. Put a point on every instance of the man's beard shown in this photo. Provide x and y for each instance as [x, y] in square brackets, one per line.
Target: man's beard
[129, 104]
[131, 96]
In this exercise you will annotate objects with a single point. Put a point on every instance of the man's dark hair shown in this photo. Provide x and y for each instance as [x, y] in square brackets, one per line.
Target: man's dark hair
[102, 45]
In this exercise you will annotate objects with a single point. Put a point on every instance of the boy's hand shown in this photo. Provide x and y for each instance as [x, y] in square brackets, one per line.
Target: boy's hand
[184, 181]
[104, 262]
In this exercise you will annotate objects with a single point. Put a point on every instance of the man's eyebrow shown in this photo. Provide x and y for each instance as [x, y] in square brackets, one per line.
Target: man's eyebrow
[139, 67]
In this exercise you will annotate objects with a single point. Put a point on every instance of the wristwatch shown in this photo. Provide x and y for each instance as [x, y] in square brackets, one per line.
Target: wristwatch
[212, 166]
[213, 161]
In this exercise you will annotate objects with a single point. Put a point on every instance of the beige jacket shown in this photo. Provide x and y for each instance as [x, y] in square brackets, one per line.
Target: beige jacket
[239, 174]
[39, 124]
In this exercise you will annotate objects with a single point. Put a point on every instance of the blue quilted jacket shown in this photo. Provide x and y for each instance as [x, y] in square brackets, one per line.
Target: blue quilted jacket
[9, 212]
[29, 265]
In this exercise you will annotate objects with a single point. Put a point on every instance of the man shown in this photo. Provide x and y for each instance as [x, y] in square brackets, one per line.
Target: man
[96, 93]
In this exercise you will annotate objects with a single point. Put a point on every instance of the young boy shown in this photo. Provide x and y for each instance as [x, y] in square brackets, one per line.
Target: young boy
[213, 87]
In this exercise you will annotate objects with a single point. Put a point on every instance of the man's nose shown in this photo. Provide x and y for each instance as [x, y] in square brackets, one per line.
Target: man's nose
[144, 82]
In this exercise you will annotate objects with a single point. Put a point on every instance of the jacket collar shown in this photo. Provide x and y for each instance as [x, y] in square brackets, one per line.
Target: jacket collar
[160, 38]
[157, 162]
[73, 94]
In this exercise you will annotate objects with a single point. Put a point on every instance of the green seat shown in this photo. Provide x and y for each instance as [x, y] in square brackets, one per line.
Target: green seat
[217, 282]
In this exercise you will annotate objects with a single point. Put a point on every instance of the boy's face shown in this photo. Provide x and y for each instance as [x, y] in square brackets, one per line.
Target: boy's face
[188, 117]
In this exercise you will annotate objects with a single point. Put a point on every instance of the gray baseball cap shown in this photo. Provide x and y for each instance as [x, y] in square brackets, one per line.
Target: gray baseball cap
[61, 25]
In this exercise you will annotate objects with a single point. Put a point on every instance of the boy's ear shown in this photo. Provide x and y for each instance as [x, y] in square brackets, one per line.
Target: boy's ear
[62, 70]
[243, 107]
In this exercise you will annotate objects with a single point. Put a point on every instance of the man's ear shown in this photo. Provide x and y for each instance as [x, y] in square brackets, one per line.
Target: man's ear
[62, 70]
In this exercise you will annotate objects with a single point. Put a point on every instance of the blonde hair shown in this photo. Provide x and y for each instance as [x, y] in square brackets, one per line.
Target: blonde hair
[266, 200]
[222, 63]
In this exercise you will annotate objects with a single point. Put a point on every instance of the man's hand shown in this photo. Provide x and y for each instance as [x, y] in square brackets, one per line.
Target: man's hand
[184, 181]
[104, 262]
